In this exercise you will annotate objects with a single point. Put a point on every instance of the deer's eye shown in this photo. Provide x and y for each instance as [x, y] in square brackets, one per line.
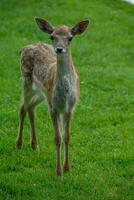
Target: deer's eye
[52, 38]
[70, 39]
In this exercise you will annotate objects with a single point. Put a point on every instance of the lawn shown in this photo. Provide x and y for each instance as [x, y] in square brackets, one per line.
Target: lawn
[102, 147]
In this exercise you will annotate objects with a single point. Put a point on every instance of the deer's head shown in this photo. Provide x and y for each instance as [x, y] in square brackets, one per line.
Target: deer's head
[62, 35]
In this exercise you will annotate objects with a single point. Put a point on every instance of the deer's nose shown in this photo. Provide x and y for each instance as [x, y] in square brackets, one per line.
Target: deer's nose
[59, 49]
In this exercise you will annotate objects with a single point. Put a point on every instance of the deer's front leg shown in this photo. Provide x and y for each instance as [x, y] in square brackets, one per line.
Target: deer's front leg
[67, 119]
[54, 117]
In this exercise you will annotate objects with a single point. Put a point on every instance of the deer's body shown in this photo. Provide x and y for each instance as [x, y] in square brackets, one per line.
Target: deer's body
[48, 73]
[39, 69]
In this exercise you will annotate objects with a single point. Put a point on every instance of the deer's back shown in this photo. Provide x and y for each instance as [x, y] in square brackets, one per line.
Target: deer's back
[38, 65]
[36, 60]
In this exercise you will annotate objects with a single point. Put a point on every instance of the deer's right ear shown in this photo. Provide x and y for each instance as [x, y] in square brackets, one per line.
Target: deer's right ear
[44, 25]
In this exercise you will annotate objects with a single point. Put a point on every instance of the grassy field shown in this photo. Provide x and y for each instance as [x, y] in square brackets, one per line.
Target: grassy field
[102, 147]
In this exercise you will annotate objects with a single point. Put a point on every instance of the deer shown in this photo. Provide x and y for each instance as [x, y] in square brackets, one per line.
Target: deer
[48, 73]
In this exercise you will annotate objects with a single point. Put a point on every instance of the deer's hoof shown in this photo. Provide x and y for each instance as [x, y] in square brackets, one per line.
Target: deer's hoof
[59, 172]
[66, 167]
[19, 144]
[34, 145]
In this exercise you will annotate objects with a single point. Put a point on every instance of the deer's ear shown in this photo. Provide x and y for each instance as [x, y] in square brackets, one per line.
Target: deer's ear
[44, 25]
[80, 27]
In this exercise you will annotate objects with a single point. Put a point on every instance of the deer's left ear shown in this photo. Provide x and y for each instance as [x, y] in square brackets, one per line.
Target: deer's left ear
[80, 27]
[44, 25]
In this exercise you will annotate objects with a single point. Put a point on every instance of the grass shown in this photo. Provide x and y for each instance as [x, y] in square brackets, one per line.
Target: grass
[102, 147]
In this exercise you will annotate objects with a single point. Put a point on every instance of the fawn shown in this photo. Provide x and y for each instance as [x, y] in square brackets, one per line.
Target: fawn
[48, 72]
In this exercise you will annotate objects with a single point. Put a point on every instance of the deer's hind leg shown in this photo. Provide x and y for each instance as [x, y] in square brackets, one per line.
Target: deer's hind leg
[34, 102]
[29, 102]
[27, 95]
[22, 114]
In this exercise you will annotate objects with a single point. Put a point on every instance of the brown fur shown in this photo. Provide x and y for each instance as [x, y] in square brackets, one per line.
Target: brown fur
[51, 75]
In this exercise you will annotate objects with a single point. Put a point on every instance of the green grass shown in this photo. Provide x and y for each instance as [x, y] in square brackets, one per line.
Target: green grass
[102, 147]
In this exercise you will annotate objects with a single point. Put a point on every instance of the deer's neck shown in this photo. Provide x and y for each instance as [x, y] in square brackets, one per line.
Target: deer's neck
[64, 64]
